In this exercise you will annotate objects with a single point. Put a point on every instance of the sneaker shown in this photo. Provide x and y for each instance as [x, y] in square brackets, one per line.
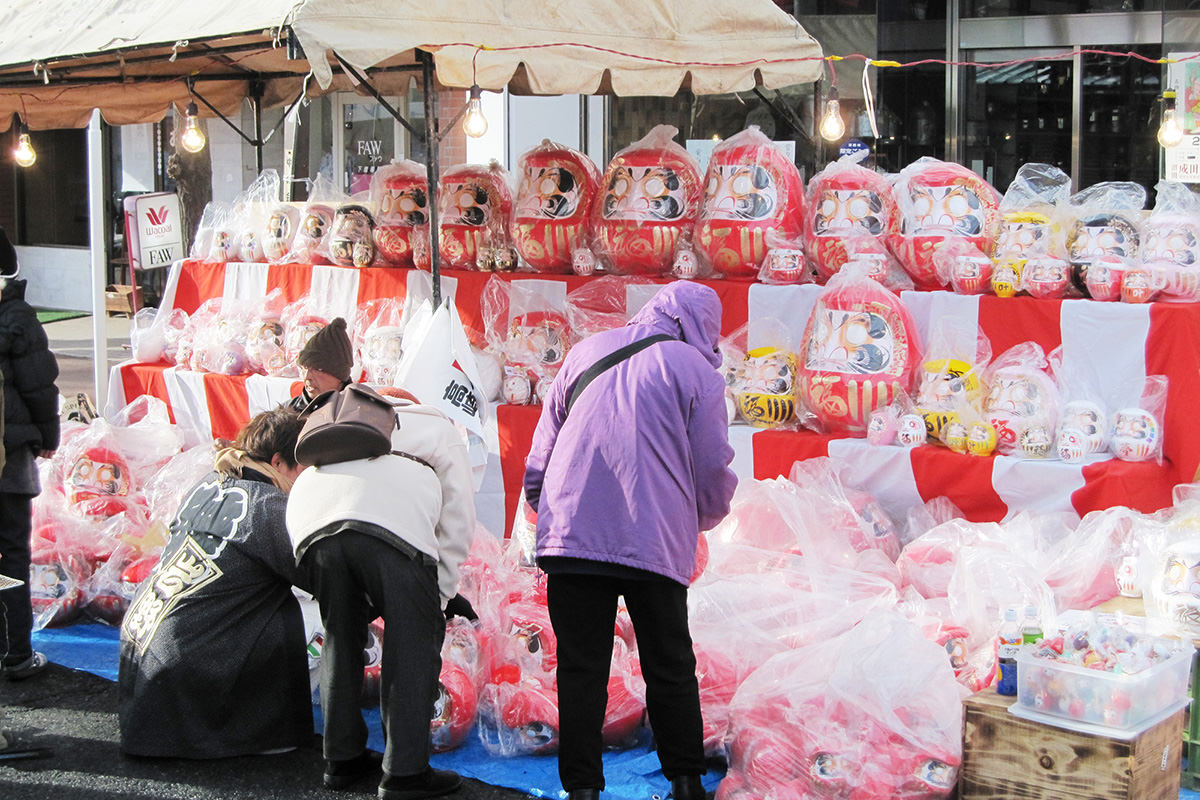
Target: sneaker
[430, 783]
[31, 666]
[342, 774]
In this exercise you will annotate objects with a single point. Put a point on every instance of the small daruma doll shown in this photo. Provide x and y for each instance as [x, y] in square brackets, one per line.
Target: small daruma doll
[650, 197]
[1095, 236]
[858, 352]
[312, 237]
[1020, 396]
[400, 194]
[844, 200]
[753, 195]
[474, 207]
[282, 223]
[351, 241]
[940, 201]
[553, 207]
[766, 388]
[98, 483]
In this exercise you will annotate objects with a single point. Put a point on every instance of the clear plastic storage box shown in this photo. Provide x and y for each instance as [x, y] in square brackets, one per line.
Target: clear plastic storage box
[1098, 697]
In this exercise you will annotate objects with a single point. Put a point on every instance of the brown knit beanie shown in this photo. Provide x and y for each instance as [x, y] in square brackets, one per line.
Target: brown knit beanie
[329, 350]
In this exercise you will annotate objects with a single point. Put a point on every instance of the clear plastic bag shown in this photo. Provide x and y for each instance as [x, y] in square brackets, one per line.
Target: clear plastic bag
[1031, 214]
[1137, 423]
[552, 218]
[283, 220]
[1022, 401]
[651, 195]
[761, 377]
[475, 204]
[382, 343]
[950, 387]
[859, 349]
[254, 206]
[753, 202]
[310, 245]
[527, 325]
[1170, 241]
[400, 197]
[1104, 220]
[602, 304]
[845, 200]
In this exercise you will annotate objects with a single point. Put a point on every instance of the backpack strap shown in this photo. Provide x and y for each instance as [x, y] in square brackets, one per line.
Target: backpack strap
[411, 457]
[611, 360]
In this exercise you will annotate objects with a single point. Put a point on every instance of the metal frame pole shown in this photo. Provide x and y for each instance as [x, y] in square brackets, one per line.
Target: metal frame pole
[431, 172]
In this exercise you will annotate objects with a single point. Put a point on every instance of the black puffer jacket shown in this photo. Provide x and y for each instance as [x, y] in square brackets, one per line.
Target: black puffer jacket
[30, 396]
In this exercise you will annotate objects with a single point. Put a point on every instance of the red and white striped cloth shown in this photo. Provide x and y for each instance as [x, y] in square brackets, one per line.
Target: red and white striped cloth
[1118, 342]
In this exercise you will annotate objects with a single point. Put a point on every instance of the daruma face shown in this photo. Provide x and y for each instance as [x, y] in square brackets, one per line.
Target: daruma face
[652, 194]
[844, 212]
[954, 209]
[1172, 238]
[548, 193]
[558, 187]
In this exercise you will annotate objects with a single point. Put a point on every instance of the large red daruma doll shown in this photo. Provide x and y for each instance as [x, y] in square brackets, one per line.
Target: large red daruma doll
[649, 198]
[474, 207]
[751, 191]
[859, 351]
[844, 200]
[554, 204]
[400, 193]
[938, 201]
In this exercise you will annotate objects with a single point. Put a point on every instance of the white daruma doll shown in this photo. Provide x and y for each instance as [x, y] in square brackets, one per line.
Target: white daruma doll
[650, 196]
[553, 207]
[753, 196]
[474, 207]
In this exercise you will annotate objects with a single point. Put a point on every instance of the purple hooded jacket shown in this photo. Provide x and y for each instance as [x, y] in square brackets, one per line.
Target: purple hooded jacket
[642, 463]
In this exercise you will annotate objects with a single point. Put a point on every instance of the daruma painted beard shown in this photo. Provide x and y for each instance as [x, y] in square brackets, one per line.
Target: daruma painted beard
[939, 201]
[400, 192]
[844, 201]
[859, 350]
[553, 205]
[650, 197]
[474, 208]
[753, 200]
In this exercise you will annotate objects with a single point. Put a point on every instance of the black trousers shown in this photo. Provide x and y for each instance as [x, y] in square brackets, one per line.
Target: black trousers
[583, 610]
[357, 577]
[15, 527]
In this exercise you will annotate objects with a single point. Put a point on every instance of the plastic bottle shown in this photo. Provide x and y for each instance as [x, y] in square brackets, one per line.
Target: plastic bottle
[1031, 630]
[1010, 645]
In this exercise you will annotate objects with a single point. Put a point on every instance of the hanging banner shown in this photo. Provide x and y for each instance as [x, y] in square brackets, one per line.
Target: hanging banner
[153, 230]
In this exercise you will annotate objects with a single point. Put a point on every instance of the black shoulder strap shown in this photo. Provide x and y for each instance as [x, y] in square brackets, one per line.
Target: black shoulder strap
[610, 361]
[411, 457]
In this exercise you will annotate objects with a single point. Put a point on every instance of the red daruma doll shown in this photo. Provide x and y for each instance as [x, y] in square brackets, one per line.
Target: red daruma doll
[554, 205]
[940, 201]
[649, 198]
[400, 195]
[845, 200]
[474, 207]
[753, 200]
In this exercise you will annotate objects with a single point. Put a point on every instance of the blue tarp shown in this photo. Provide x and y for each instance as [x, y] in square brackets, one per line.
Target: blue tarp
[630, 774]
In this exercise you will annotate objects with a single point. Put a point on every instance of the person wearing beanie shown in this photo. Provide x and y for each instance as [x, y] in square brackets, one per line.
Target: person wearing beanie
[325, 363]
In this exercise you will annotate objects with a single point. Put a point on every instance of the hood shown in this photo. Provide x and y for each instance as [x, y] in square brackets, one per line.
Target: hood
[690, 311]
[12, 289]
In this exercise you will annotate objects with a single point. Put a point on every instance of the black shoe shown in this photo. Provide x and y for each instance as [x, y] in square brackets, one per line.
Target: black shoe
[341, 774]
[31, 666]
[584, 794]
[687, 787]
[430, 783]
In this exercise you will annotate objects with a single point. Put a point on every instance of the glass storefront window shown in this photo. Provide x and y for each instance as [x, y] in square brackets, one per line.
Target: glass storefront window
[1120, 119]
[1024, 8]
[50, 198]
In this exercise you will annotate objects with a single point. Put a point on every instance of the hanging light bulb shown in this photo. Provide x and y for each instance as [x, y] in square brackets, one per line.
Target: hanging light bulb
[192, 139]
[1169, 132]
[475, 123]
[832, 127]
[23, 153]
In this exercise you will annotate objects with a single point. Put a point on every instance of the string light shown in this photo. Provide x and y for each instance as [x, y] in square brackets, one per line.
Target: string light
[1169, 132]
[475, 123]
[192, 139]
[23, 153]
[833, 127]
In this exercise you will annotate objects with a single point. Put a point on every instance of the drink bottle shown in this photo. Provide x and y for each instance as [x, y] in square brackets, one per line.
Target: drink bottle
[1010, 645]
[1031, 630]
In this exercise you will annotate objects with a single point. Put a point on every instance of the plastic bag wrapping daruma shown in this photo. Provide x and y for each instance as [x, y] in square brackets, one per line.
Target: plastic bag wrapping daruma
[1031, 211]
[837, 512]
[202, 241]
[753, 202]
[553, 210]
[601, 304]
[379, 340]
[474, 211]
[1136, 425]
[961, 265]
[1104, 220]
[937, 201]
[950, 387]
[226, 234]
[650, 197]
[1170, 242]
[843, 719]
[283, 220]
[310, 245]
[400, 197]
[461, 676]
[859, 349]
[147, 338]
[927, 563]
[1081, 568]
[760, 375]
[253, 206]
[880, 264]
[1022, 401]
[264, 334]
[530, 329]
[987, 580]
[845, 200]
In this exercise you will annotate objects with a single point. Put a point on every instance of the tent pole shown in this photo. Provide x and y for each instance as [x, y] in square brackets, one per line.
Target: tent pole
[431, 172]
[256, 93]
[97, 192]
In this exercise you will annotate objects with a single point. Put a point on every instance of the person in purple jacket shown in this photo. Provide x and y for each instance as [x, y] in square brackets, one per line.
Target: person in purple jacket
[622, 487]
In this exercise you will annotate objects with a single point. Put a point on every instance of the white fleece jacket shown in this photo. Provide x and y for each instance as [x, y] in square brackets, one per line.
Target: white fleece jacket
[432, 510]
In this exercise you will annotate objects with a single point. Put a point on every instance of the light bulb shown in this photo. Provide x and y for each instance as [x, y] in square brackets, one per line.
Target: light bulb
[1169, 132]
[832, 127]
[24, 154]
[475, 123]
[192, 139]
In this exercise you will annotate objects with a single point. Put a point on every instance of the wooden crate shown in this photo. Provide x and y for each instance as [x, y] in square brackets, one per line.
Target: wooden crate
[1005, 756]
[119, 299]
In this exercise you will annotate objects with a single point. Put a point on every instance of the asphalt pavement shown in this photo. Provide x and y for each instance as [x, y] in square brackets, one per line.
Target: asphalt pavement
[72, 715]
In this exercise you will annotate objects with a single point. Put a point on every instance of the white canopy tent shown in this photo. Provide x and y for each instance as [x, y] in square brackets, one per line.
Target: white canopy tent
[133, 59]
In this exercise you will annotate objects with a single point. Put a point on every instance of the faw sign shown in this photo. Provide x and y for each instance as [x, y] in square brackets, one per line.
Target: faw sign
[153, 229]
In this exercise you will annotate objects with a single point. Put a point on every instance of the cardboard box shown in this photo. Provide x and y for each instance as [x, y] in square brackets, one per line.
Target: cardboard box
[118, 299]
[1005, 756]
